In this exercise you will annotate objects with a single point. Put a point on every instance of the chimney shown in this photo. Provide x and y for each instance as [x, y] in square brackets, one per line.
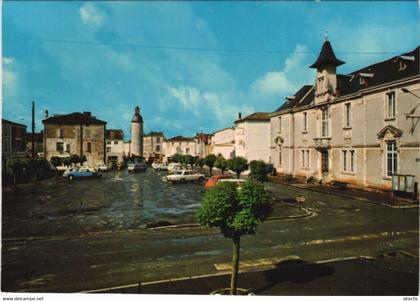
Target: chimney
[239, 116]
[87, 113]
[45, 114]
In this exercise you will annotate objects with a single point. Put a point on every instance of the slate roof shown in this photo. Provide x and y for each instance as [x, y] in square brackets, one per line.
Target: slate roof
[297, 97]
[373, 75]
[73, 118]
[12, 123]
[180, 139]
[258, 116]
[326, 57]
[154, 134]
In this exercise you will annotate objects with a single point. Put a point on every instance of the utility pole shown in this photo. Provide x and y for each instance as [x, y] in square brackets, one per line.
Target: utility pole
[33, 130]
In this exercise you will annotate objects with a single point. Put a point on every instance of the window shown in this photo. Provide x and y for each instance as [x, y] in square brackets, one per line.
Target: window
[115, 142]
[59, 146]
[347, 122]
[279, 124]
[60, 133]
[303, 159]
[88, 133]
[89, 147]
[157, 148]
[108, 142]
[344, 160]
[390, 105]
[280, 155]
[320, 84]
[108, 149]
[324, 122]
[307, 158]
[157, 139]
[352, 161]
[305, 121]
[392, 158]
[68, 148]
[187, 150]
[403, 65]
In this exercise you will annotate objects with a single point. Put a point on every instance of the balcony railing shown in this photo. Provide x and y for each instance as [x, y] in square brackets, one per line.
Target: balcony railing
[322, 142]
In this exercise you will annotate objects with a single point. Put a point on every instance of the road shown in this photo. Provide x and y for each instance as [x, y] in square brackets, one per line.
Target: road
[79, 261]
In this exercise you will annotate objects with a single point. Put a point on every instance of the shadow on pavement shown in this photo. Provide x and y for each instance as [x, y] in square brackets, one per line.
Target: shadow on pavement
[294, 270]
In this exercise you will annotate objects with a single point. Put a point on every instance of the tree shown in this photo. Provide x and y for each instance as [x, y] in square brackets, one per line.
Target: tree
[235, 212]
[56, 161]
[67, 161]
[35, 167]
[209, 161]
[74, 159]
[221, 164]
[16, 165]
[200, 162]
[189, 160]
[237, 165]
[259, 170]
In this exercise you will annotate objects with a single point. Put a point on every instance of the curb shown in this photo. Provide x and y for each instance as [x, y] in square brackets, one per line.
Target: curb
[350, 197]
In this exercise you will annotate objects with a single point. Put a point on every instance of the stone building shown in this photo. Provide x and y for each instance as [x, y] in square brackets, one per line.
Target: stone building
[223, 143]
[114, 140]
[13, 141]
[178, 145]
[136, 148]
[38, 143]
[252, 136]
[76, 133]
[153, 146]
[359, 128]
[202, 143]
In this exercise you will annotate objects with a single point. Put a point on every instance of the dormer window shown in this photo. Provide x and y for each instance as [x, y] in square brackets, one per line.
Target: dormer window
[403, 61]
[364, 78]
[403, 65]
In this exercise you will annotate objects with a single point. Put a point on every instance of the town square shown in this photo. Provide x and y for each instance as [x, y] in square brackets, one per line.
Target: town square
[193, 148]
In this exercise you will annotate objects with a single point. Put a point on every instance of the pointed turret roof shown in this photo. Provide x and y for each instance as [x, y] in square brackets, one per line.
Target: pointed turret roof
[326, 57]
[137, 117]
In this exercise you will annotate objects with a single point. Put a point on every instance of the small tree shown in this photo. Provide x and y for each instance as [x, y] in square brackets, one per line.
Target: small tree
[259, 170]
[67, 161]
[82, 159]
[221, 164]
[74, 159]
[56, 161]
[237, 165]
[189, 160]
[209, 161]
[16, 165]
[236, 213]
[35, 167]
[200, 162]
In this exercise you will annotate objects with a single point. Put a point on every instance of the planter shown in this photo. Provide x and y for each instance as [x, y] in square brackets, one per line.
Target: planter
[226, 291]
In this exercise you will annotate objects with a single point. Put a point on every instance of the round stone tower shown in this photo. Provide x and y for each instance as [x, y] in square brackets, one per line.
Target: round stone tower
[137, 134]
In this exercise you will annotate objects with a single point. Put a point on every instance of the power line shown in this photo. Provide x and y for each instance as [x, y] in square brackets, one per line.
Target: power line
[181, 48]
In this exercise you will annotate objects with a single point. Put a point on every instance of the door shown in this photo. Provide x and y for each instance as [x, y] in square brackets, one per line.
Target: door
[324, 161]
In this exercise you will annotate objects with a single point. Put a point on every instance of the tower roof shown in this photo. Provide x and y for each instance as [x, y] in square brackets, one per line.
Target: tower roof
[326, 57]
[137, 117]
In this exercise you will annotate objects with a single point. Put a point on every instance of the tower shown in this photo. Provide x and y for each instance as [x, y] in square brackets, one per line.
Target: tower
[137, 134]
[326, 75]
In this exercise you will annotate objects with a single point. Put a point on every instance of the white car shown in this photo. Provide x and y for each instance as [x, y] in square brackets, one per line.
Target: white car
[174, 166]
[101, 167]
[180, 176]
[137, 167]
[160, 166]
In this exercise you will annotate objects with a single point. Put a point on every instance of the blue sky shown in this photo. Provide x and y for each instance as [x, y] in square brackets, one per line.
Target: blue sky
[180, 91]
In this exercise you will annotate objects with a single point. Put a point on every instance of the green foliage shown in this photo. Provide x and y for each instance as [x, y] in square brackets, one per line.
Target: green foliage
[35, 167]
[67, 161]
[189, 160]
[16, 165]
[237, 165]
[177, 158]
[259, 170]
[209, 160]
[235, 211]
[200, 162]
[56, 161]
[74, 159]
[221, 163]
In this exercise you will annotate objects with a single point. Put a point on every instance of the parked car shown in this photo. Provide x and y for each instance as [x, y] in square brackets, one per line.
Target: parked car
[215, 179]
[84, 173]
[180, 176]
[68, 170]
[137, 167]
[174, 166]
[160, 166]
[102, 167]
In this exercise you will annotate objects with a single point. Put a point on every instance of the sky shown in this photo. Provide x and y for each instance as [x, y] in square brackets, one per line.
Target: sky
[189, 66]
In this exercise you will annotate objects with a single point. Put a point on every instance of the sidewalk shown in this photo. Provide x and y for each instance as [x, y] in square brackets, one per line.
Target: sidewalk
[382, 199]
[356, 276]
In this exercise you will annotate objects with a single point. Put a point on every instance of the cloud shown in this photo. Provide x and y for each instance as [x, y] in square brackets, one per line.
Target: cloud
[188, 97]
[277, 83]
[92, 16]
[9, 76]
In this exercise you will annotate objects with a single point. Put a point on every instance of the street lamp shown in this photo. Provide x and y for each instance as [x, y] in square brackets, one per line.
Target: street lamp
[405, 90]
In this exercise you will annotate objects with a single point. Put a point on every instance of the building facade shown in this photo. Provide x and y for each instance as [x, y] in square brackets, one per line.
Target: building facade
[137, 134]
[153, 146]
[202, 143]
[114, 141]
[76, 133]
[223, 143]
[359, 128]
[252, 137]
[179, 145]
[13, 141]
[38, 143]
